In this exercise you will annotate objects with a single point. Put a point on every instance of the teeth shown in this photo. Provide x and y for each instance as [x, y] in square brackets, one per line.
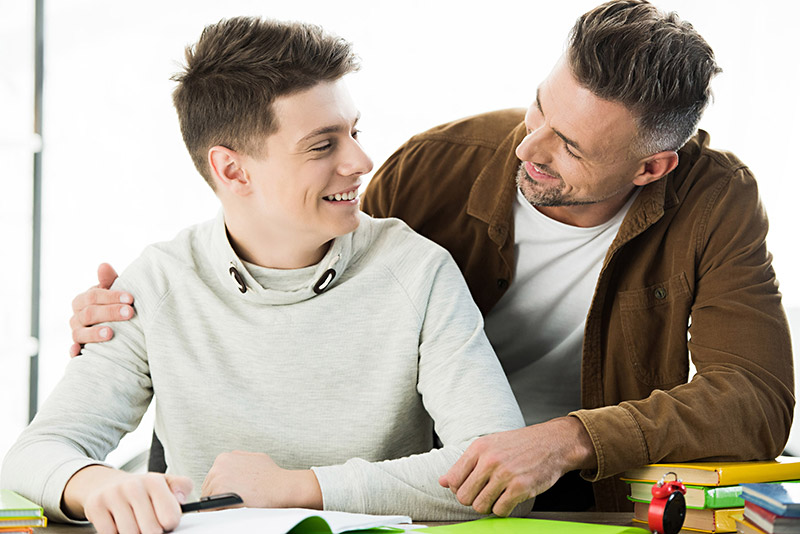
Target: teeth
[342, 196]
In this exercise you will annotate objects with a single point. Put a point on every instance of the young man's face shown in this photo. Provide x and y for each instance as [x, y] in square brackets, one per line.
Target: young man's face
[578, 147]
[306, 182]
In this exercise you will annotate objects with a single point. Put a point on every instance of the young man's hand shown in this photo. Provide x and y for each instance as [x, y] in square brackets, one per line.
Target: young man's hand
[499, 471]
[261, 483]
[96, 305]
[115, 501]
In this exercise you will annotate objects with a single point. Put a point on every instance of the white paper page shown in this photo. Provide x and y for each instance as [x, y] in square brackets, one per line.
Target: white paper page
[278, 520]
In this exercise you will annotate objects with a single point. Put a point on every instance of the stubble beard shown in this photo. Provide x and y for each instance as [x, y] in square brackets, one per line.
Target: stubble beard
[541, 195]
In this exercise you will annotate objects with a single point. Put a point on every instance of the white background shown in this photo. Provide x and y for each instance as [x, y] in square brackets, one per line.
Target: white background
[117, 177]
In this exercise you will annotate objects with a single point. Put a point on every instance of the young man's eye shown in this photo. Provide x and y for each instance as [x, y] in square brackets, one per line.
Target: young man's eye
[322, 148]
[355, 134]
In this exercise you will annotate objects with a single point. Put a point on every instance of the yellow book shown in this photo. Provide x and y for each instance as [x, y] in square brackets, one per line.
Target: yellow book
[704, 520]
[721, 473]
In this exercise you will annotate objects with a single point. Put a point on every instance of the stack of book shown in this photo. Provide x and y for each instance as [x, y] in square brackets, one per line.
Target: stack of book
[770, 508]
[18, 514]
[714, 491]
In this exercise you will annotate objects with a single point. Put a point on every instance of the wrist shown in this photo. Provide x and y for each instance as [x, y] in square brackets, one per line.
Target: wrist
[582, 454]
[82, 484]
[309, 493]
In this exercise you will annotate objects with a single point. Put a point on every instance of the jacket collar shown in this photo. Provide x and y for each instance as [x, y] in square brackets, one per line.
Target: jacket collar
[284, 286]
[485, 201]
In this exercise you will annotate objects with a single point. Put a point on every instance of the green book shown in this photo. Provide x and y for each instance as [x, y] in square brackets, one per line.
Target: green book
[696, 496]
[516, 525]
[715, 497]
[14, 505]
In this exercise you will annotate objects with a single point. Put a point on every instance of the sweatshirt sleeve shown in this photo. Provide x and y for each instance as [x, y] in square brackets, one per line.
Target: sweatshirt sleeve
[102, 396]
[466, 393]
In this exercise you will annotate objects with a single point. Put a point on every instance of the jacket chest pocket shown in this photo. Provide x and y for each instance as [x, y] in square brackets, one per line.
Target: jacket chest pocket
[654, 324]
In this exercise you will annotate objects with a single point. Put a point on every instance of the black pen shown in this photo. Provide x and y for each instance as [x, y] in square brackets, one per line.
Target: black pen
[211, 502]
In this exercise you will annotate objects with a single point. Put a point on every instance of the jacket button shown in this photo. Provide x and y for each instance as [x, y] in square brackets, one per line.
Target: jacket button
[502, 283]
[660, 293]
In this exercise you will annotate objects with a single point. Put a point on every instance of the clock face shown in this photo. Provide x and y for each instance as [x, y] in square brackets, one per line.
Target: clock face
[674, 513]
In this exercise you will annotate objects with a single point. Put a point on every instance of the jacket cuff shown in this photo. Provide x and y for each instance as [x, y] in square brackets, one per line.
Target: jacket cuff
[618, 441]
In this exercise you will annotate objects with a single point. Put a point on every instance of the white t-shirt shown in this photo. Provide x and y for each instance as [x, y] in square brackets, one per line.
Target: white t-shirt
[537, 327]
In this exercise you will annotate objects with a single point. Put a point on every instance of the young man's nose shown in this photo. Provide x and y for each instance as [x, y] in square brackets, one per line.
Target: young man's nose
[355, 161]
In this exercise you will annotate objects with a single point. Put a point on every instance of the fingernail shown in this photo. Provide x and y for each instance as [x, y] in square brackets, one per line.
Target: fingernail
[125, 311]
[105, 333]
[181, 497]
[125, 299]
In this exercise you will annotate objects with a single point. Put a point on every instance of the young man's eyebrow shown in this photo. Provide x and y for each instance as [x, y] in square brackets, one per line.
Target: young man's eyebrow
[328, 129]
[563, 137]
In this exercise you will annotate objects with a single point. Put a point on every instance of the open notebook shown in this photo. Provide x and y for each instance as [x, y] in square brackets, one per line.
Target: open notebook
[282, 521]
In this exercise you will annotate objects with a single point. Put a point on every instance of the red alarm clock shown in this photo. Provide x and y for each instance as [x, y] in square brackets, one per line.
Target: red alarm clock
[668, 506]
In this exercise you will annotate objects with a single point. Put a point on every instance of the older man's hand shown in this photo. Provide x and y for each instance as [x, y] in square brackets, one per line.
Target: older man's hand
[501, 470]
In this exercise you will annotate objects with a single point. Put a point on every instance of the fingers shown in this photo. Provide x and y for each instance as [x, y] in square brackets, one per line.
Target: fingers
[460, 470]
[75, 350]
[473, 485]
[486, 493]
[97, 296]
[106, 275]
[509, 500]
[142, 503]
[180, 487]
[145, 499]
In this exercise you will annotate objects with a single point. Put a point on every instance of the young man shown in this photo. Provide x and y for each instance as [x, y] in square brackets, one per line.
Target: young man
[293, 326]
[604, 243]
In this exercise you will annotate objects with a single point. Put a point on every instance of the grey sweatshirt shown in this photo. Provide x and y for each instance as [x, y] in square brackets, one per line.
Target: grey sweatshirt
[353, 381]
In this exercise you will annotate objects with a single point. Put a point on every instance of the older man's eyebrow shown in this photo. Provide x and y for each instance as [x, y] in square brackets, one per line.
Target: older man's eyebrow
[563, 137]
[334, 128]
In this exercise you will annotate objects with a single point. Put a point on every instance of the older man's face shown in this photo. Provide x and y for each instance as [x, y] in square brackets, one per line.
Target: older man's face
[578, 148]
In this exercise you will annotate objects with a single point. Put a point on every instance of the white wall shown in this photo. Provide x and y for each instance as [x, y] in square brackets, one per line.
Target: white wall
[117, 176]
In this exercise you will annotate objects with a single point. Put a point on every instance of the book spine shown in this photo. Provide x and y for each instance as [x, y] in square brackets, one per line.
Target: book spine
[724, 497]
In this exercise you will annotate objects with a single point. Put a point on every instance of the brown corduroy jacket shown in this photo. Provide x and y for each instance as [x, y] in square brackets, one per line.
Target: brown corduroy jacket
[687, 274]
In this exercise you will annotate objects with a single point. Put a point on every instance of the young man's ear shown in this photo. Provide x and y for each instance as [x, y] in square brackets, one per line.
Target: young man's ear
[227, 170]
[656, 167]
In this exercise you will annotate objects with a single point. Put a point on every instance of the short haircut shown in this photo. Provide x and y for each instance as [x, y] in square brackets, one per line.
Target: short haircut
[237, 69]
[653, 63]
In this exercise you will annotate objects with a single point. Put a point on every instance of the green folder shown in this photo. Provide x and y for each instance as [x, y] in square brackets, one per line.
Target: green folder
[515, 525]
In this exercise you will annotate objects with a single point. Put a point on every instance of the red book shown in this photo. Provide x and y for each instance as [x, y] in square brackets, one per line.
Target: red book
[770, 522]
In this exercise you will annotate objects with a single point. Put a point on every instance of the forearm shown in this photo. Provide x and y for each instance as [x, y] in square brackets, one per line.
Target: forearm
[406, 485]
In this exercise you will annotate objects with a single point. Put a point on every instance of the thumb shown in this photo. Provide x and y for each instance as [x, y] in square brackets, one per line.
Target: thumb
[106, 275]
[180, 486]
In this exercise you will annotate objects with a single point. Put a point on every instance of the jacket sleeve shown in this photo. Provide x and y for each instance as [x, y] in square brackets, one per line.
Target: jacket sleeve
[464, 390]
[739, 404]
[103, 395]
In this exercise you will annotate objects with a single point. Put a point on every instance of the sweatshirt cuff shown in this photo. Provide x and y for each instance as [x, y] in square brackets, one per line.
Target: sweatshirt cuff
[55, 485]
[341, 489]
[618, 441]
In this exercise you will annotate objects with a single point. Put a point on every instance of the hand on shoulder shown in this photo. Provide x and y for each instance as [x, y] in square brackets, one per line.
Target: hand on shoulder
[98, 304]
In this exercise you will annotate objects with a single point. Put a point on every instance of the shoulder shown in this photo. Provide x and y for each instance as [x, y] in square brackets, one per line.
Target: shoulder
[703, 167]
[150, 277]
[391, 242]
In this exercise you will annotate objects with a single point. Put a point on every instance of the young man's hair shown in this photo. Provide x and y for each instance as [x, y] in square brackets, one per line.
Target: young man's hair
[653, 63]
[237, 69]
